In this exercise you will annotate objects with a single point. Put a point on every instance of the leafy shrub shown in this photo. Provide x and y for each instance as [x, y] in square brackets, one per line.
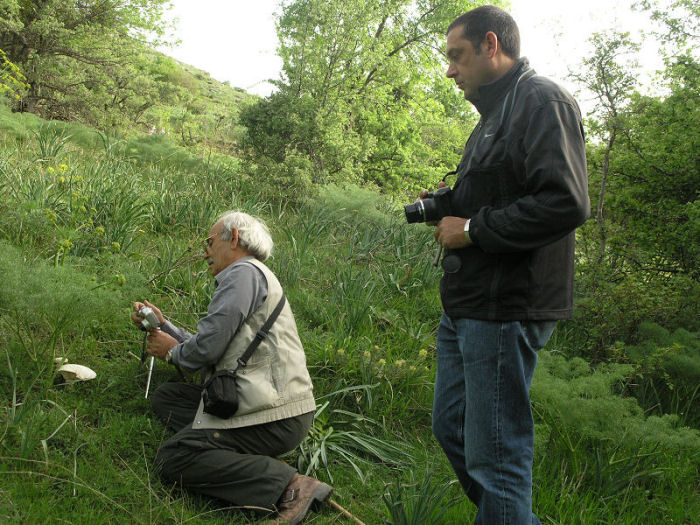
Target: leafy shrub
[588, 400]
[293, 178]
[594, 439]
[610, 307]
[668, 377]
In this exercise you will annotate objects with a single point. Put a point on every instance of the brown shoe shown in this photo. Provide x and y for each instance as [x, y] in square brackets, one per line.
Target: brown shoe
[301, 494]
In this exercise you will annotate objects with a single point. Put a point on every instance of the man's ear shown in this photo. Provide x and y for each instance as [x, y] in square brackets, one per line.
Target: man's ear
[234, 238]
[490, 45]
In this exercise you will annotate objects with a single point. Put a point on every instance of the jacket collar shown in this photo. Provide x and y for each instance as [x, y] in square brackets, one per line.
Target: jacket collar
[223, 273]
[492, 93]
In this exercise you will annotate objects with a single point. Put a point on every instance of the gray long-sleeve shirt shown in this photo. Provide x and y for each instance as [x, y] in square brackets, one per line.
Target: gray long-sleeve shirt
[241, 289]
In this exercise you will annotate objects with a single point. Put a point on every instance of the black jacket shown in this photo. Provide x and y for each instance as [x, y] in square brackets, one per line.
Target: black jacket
[523, 182]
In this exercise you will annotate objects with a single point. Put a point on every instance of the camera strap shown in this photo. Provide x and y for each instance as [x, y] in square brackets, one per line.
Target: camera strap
[261, 334]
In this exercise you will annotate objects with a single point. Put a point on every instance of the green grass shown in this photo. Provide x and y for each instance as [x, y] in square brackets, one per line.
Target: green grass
[89, 225]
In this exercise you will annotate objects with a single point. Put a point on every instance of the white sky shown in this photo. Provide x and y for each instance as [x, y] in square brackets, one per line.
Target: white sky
[235, 40]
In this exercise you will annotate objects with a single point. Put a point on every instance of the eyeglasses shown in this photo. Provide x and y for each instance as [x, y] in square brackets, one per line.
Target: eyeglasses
[207, 243]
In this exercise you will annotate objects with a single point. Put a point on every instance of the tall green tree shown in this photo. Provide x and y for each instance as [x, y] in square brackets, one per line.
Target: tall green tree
[362, 93]
[660, 158]
[644, 157]
[82, 54]
[609, 73]
[640, 257]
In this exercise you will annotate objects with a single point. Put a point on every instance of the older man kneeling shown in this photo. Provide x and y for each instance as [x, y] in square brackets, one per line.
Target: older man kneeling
[233, 458]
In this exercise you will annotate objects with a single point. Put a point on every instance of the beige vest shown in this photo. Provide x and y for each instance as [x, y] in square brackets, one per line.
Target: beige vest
[275, 384]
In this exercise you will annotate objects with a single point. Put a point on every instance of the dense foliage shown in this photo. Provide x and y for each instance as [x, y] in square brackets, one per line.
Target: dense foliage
[363, 96]
[12, 81]
[80, 57]
[639, 257]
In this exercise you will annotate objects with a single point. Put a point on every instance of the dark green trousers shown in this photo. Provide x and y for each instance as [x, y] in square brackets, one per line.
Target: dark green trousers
[236, 465]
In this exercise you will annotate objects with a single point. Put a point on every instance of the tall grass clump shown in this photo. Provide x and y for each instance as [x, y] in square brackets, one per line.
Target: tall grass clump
[423, 502]
[349, 437]
[51, 139]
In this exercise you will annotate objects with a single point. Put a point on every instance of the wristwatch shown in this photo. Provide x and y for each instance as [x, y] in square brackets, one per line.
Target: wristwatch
[466, 230]
[169, 355]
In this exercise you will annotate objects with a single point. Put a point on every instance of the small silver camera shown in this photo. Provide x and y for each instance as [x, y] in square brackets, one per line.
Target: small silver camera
[149, 320]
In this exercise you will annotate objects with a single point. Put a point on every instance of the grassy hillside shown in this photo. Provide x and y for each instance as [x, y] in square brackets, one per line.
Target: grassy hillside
[195, 110]
[90, 222]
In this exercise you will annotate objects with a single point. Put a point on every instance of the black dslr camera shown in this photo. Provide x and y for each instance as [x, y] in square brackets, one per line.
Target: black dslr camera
[433, 207]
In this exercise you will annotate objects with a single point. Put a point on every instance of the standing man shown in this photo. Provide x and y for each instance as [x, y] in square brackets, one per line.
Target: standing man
[233, 459]
[521, 191]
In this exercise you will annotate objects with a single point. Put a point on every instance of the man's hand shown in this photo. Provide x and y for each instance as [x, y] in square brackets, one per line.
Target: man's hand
[422, 195]
[159, 343]
[450, 233]
[137, 306]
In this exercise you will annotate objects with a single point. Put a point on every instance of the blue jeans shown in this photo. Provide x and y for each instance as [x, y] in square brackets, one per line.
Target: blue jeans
[481, 412]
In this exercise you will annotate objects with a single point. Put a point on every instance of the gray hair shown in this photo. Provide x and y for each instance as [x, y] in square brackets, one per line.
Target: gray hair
[253, 234]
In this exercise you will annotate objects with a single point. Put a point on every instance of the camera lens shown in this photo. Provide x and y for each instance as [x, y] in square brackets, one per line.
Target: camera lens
[415, 212]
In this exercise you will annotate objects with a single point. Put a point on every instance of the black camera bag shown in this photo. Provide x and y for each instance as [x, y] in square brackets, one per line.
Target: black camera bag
[220, 394]
[220, 391]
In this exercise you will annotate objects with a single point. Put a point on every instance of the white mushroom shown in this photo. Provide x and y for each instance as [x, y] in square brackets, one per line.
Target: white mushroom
[73, 373]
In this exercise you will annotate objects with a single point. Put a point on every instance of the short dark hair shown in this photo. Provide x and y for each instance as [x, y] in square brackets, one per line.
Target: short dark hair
[481, 20]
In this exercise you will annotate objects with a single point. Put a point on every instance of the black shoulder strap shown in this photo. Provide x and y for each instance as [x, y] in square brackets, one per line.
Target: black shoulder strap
[261, 334]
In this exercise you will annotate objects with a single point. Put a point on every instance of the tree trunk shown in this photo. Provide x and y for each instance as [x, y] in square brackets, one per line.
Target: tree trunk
[600, 212]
